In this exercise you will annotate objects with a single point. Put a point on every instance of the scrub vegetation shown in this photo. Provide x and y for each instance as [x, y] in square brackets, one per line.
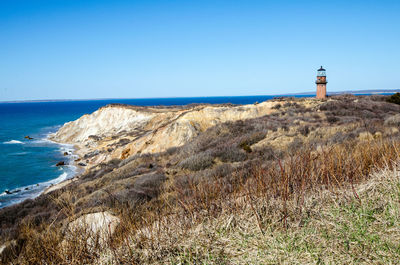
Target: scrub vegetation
[310, 183]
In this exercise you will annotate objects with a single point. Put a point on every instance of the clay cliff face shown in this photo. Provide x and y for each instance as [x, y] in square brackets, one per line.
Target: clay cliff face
[119, 131]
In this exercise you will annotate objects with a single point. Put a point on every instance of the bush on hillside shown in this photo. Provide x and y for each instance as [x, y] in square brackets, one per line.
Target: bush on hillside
[197, 162]
[230, 154]
[395, 98]
[393, 120]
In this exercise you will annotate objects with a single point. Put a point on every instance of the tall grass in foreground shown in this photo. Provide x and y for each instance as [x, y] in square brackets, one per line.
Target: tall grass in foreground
[275, 195]
[333, 229]
[259, 213]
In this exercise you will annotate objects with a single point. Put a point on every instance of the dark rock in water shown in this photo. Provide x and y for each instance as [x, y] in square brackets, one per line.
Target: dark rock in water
[28, 137]
[65, 153]
[26, 188]
[11, 192]
[82, 164]
[37, 185]
[77, 160]
[61, 163]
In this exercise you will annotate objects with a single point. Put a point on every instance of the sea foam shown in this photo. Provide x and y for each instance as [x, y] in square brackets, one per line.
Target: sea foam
[13, 142]
[32, 191]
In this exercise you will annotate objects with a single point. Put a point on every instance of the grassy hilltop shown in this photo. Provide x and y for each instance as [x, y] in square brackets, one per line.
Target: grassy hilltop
[311, 182]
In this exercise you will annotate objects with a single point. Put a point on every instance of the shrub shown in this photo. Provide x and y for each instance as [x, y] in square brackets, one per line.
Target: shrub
[142, 189]
[114, 163]
[304, 130]
[332, 119]
[219, 171]
[245, 147]
[255, 137]
[277, 106]
[197, 162]
[128, 160]
[123, 141]
[230, 154]
[393, 120]
[295, 145]
[316, 116]
[291, 104]
[131, 172]
[172, 150]
[395, 98]
[222, 170]
[268, 153]
[149, 184]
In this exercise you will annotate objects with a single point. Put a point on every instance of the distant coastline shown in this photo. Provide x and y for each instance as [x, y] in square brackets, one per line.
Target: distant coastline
[356, 92]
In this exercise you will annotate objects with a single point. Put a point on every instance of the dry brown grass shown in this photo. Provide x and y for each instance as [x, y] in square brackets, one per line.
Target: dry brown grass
[334, 228]
[270, 201]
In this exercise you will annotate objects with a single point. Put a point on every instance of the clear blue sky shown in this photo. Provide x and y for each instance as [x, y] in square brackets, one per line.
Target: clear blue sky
[132, 49]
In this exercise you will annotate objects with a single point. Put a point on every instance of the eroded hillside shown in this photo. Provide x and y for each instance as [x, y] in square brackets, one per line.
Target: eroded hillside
[119, 131]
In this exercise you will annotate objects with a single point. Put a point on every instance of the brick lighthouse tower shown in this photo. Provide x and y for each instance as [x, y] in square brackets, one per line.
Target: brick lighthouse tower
[321, 83]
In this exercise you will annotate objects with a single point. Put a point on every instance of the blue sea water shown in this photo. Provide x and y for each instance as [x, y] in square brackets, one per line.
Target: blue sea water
[27, 167]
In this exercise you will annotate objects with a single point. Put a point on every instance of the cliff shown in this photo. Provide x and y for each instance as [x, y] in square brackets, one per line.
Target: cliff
[118, 131]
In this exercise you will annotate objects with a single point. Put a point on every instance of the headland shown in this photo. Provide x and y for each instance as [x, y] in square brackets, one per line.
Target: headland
[178, 184]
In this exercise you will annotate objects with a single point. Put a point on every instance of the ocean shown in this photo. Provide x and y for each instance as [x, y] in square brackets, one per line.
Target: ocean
[28, 166]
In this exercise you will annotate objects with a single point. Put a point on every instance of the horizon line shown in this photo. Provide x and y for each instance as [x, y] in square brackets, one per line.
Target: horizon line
[283, 95]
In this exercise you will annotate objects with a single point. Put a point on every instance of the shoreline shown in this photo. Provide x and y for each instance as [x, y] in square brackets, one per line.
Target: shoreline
[21, 193]
[72, 157]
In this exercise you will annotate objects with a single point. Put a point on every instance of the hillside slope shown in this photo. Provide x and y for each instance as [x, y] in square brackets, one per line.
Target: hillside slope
[270, 172]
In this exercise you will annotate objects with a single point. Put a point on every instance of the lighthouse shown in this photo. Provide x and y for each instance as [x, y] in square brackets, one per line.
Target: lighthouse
[321, 83]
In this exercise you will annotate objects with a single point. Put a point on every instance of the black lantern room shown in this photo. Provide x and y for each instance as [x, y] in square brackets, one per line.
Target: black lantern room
[321, 72]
